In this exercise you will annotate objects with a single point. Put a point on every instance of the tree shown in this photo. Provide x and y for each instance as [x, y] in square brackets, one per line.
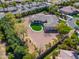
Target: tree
[55, 53]
[19, 52]
[53, 10]
[69, 42]
[10, 56]
[22, 30]
[77, 22]
[1, 36]
[10, 18]
[63, 46]
[28, 56]
[74, 36]
[15, 45]
[14, 3]
[63, 28]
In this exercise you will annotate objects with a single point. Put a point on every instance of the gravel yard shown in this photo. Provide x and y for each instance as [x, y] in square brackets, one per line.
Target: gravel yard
[40, 39]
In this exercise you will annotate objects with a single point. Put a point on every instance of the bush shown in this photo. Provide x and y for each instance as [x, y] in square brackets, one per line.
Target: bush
[63, 28]
[77, 22]
[10, 56]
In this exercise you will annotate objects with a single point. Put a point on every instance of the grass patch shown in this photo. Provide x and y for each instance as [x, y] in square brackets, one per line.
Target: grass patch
[77, 22]
[76, 16]
[36, 27]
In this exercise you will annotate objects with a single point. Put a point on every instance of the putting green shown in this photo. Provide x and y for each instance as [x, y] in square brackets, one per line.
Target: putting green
[76, 16]
[36, 27]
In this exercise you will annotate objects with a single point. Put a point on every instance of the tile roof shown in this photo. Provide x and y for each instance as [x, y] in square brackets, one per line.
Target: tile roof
[68, 9]
[66, 54]
[52, 20]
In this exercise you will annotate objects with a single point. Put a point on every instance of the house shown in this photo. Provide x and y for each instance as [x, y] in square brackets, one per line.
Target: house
[9, 1]
[65, 54]
[59, 1]
[76, 4]
[48, 22]
[49, 0]
[69, 10]
[8, 9]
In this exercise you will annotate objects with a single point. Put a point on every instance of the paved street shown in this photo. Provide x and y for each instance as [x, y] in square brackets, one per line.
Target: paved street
[25, 8]
[18, 9]
[71, 22]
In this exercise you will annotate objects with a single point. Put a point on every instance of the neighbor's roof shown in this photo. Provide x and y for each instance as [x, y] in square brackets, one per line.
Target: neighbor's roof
[68, 9]
[70, 53]
[76, 4]
[8, 1]
[66, 54]
[8, 9]
[59, 1]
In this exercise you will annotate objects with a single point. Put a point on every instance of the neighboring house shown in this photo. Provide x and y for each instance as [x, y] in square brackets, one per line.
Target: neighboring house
[48, 21]
[8, 9]
[9, 1]
[49, 0]
[69, 10]
[59, 1]
[76, 4]
[20, 9]
[65, 54]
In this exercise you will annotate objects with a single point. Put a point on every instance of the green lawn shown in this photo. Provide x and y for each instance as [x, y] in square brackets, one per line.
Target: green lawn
[76, 16]
[77, 22]
[36, 27]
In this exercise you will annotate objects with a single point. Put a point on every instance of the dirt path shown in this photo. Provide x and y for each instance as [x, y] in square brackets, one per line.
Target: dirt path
[3, 51]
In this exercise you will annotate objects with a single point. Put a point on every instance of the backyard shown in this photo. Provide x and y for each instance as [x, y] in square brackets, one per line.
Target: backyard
[36, 36]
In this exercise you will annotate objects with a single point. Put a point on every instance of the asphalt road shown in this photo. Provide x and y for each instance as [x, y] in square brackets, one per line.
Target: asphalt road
[25, 7]
[71, 22]
[18, 9]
